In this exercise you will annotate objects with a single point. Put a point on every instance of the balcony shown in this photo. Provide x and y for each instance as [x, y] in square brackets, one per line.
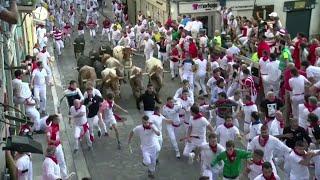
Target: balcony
[26, 6]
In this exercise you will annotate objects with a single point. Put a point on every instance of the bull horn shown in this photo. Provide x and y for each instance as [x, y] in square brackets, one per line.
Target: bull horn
[152, 74]
[107, 81]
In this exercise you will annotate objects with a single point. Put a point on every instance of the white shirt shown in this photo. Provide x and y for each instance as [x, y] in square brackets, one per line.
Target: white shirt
[297, 85]
[247, 112]
[303, 115]
[115, 34]
[95, 92]
[314, 72]
[50, 170]
[179, 93]
[260, 177]
[199, 127]
[148, 137]
[275, 128]
[207, 155]
[44, 57]
[254, 130]
[39, 77]
[16, 87]
[79, 121]
[149, 44]
[157, 121]
[172, 113]
[196, 25]
[233, 50]
[272, 144]
[226, 134]
[41, 32]
[22, 164]
[316, 160]
[298, 171]
[273, 70]
[255, 170]
[186, 105]
[202, 66]
[263, 66]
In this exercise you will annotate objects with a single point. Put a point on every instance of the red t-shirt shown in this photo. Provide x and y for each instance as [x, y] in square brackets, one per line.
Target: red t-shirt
[263, 46]
[193, 50]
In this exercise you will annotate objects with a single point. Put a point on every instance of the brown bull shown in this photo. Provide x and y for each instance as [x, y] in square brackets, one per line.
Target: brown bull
[136, 81]
[155, 70]
[111, 62]
[86, 73]
[110, 82]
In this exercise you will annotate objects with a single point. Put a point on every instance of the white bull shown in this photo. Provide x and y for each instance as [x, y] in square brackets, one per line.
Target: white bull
[155, 70]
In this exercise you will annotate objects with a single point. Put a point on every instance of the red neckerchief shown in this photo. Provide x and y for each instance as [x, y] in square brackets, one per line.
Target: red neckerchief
[71, 89]
[228, 126]
[258, 163]
[18, 78]
[310, 107]
[263, 141]
[77, 108]
[54, 159]
[110, 103]
[156, 113]
[265, 58]
[250, 103]
[169, 106]
[214, 149]
[202, 104]
[232, 156]
[297, 153]
[43, 51]
[281, 123]
[272, 177]
[55, 129]
[314, 124]
[146, 127]
[221, 101]
[197, 116]
[184, 98]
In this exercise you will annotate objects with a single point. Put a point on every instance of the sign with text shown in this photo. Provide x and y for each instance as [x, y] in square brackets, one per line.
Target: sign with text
[197, 7]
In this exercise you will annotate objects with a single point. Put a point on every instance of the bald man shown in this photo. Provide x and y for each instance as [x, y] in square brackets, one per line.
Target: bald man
[81, 126]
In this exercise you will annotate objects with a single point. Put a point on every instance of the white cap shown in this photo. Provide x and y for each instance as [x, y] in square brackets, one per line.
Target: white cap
[273, 14]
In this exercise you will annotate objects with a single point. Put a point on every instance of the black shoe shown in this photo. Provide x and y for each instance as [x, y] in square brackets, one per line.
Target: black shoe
[99, 134]
[172, 78]
[106, 134]
[119, 146]
[150, 174]
[75, 151]
[200, 92]
[157, 162]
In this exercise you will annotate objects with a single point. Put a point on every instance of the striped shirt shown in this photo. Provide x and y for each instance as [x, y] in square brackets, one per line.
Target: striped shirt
[249, 83]
[57, 35]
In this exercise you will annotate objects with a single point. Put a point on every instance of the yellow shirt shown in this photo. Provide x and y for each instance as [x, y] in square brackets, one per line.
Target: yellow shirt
[119, 26]
[217, 39]
[157, 37]
[255, 57]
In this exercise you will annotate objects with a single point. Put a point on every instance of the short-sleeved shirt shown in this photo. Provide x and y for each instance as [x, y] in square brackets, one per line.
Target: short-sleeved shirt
[23, 164]
[226, 134]
[199, 127]
[39, 76]
[79, 121]
[148, 137]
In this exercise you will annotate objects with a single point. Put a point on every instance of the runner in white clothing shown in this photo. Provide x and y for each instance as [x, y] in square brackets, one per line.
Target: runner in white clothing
[196, 135]
[267, 173]
[50, 167]
[81, 126]
[171, 111]
[147, 133]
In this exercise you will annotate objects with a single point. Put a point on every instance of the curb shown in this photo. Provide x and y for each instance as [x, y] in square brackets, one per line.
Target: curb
[75, 162]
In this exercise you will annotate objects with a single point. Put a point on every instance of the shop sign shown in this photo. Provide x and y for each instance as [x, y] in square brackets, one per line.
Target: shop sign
[197, 7]
[240, 5]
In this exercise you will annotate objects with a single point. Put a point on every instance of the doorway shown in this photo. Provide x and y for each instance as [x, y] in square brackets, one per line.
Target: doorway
[298, 21]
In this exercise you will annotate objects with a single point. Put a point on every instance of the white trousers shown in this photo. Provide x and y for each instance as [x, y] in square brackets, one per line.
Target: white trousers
[59, 46]
[200, 83]
[189, 77]
[77, 132]
[190, 146]
[174, 68]
[149, 157]
[107, 32]
[162, 56]
[92, 32]
[61, 161]
[172, 132]
[80, 32]
[275, 86]
[34, 116]
[40, 94]
[94, 122]
[295, 101]
[148, 54]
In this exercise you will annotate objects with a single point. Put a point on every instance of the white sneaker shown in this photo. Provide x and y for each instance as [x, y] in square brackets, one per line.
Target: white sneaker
[178, 155]
[191, 157]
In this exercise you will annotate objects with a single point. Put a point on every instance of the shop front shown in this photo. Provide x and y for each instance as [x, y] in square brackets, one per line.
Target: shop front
[206, 11]
[241, 8]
